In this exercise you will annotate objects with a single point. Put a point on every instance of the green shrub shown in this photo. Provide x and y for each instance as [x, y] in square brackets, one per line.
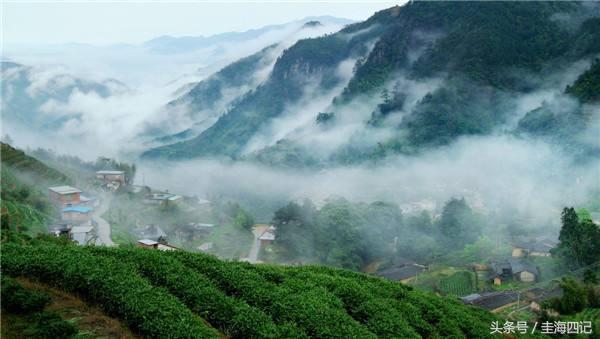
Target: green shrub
[49, 325]
[232, 316]
[17, 299]
[150, 311]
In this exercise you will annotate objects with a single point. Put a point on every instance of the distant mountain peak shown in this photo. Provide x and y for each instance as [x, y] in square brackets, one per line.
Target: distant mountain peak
[312, 23]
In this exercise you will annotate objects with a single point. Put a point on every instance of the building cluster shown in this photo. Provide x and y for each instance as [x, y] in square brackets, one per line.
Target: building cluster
[162, 198]
[152, 236]
[76, 211]
[151, 244]
[111, 180]
[520, 266]
[500, 300]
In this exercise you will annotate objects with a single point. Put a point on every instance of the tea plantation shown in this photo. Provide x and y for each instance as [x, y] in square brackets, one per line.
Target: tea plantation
[179, 294]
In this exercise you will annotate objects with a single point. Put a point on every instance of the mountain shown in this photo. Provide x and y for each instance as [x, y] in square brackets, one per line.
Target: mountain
[587, 86]
[28, 92]
[205, 101]
[420, 76]
[171, 45]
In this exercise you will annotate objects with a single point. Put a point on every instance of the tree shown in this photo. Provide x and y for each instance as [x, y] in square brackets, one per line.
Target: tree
[458, 225]
[338, 238]
[590, 277]
[385, 95]
[421, 222]
[243, 219]
[574, 299]
[481, 250]
[325, 118]
[295, 229]
[583, 214]
[579, 240]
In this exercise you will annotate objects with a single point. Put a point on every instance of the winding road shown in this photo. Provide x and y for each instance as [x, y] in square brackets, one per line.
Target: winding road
[253, 256]
[257, 231]
[102, 226]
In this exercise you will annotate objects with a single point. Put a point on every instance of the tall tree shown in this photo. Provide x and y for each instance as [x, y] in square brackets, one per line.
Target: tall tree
[579, 239]
[295, 230]
[458, 225]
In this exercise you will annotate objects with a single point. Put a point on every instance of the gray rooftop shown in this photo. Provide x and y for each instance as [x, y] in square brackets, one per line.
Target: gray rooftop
[515, 265]
[537, 245]
[494, 300]
[147, 242]
[401, 273]
[64, 189]
[110, 172]
[150, 232]
[518, 265]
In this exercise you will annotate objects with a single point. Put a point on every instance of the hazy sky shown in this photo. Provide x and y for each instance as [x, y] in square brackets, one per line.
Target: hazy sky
[106, 21]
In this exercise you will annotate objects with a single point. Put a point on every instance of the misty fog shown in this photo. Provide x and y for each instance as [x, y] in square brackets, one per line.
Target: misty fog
[494, 174]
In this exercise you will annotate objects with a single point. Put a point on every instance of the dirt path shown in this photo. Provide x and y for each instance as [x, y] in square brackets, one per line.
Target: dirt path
[257, 231]
[88, 319]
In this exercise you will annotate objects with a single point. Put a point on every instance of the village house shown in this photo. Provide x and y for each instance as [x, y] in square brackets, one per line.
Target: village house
[60, 228]
[64, 196]
[492, 301]
[538, 295]
[139, 189]
[515, 269]
[151, 232]
[151, 244]
[77, 215]
[162, 198]
[83, 235]
[404, 274]
[539, 247]
[268, 236]
[193, 231]
[403, 270]
[205, 247]
[109, 177]
[88, 200]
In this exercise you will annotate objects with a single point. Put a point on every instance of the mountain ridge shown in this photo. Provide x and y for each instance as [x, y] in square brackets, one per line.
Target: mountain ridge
[413, 39]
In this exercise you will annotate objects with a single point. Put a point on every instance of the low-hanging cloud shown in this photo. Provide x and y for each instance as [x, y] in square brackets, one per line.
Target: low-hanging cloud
[495, 174]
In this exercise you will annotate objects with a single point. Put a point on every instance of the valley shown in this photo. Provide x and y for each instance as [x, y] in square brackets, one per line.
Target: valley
[418, 170]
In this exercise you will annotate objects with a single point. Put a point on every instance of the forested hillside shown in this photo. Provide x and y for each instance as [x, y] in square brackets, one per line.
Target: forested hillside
[587, 86]
[19, 161]
[184, 295]
[25, 205]
[473, 54]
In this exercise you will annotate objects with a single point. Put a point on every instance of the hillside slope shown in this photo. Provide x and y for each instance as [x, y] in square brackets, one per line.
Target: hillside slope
[473, 55]
[25, 204]
[21, 162]
[165, 293]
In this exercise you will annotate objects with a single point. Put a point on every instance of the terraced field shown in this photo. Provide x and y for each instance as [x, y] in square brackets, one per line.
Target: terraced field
[187, 295]
[458, 284]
